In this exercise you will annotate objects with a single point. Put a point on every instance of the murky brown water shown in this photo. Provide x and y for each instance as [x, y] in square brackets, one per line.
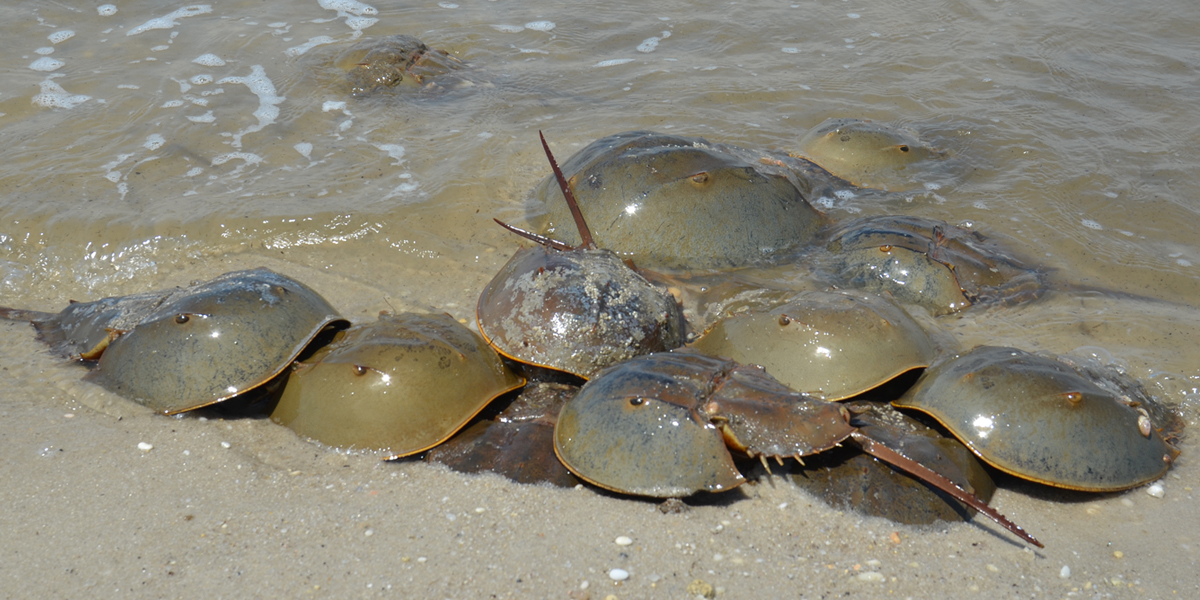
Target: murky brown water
[139, 153]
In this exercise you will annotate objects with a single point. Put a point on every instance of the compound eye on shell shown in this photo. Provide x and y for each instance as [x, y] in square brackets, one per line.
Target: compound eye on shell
[701, 177]
[637, 401]
[182, 318]
[360, 370]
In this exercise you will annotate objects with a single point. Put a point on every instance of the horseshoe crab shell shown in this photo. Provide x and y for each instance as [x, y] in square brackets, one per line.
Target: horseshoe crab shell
[400, 385]
[186, 348]
[832, 345]
[659, 425]
[577, 311]
[865, 153]
[1039, 419]
[677, 202]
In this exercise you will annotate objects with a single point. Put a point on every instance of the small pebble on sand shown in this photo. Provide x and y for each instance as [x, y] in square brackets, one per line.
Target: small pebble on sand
[1156, 490]
[145, 446]
[226, 444]
[623, 540]
[1118, 554]
[871, 576]
[618, 574]
[1065, 572]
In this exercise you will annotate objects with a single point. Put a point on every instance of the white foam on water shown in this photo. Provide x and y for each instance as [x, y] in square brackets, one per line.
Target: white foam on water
[209, 60]
[791, 50]
[844, 194]
[1090, 224]
[649, 44]
[309, 45]
[128, 86]
[853, 15]
[171, 20]
[106, 10]
[154, 141]
[160, 48]
[204, 118]
[277, 25]
[305, 149]
[338, 105]
[395, 151]
[540, 25]
[268, 102]
[113, 176]
[54, 96]
[46, 64]
[194, 171]
[508, 28]
[447, 5]
[247, 158]
[60, 36]
[195, 100]
[44, 51]
[614, 62]
[172, 104]
[354, 12]
[532, 51]
[201, 79]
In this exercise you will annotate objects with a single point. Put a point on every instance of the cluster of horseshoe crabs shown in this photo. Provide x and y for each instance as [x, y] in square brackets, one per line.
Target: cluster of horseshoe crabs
[793, 378]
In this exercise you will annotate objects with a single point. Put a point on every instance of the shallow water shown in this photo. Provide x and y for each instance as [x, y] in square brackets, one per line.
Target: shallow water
[156, 152]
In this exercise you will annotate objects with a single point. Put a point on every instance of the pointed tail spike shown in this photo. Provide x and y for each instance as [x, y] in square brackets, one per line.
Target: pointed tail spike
[529, 235]
[585, 234]
[904, 463]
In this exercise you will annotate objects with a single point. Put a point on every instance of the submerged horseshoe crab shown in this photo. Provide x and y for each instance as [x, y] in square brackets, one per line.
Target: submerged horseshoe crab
[396, 62]
[576, 310]
[663, 425]
[186, 348]
[832, 345]
[1039, 419]
[926, 262]
[677, 202]
[399, 386]
[865, 153]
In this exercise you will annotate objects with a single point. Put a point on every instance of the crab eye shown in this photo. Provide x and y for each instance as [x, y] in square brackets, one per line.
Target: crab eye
[360, 370]
[181, 318]
[637, 401]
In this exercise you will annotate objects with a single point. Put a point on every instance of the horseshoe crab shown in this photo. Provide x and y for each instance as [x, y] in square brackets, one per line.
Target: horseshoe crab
[832, 345]
[399, 386]
[679, 203]
[1040, 419]
[576, 310]
[663, 425]
[851, 480]
[182, 349]
[867, 154]
[393, 63]
[518, 443]
[926, 262]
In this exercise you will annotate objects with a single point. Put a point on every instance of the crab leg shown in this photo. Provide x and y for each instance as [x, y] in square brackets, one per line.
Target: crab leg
[898, 460]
